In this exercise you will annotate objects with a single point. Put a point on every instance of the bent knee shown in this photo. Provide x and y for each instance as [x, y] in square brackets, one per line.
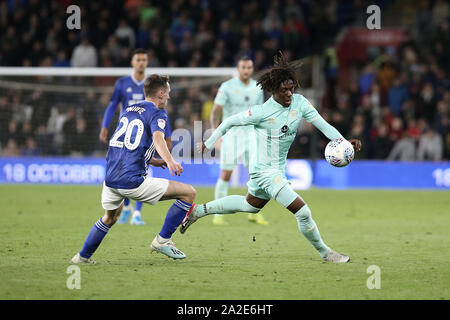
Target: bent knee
[250, 208]
[189, 194]
[192, 192]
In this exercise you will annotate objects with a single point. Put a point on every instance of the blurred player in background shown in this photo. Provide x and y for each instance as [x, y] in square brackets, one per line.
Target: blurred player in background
[275, 123]
[234, 96]
[141, 131]
[128, 91]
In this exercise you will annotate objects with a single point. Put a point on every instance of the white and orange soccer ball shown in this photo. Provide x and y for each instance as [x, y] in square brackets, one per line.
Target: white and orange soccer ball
[339, 152]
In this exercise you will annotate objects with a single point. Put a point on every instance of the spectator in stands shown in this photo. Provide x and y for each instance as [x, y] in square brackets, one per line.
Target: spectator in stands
[180, 26]
[404, 149]
[430, 146]
[11, 149]
[386, 75]
[61, 60]
[5, 118]
[398, 94]
[70, 131]
[426, 105]
[30, 148]
[382, 144]
[84, 55]
[366, 79]
[125, 34]
[396, 129]
[441, 120]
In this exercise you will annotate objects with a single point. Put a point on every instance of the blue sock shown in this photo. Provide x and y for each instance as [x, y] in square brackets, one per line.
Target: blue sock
[138, 206]
[94, 238]
[126, 202]
[174, 216]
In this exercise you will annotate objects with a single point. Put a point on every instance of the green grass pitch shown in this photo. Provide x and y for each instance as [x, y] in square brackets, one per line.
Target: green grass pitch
[404, 233]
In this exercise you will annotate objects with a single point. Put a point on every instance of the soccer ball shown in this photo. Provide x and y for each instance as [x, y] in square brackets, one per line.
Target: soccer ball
[339, 152]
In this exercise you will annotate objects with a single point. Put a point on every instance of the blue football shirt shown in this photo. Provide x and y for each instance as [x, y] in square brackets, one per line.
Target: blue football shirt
[128, 91]
[131, 147]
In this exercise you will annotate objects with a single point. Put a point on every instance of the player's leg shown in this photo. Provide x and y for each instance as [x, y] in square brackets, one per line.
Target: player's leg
[126, 212]
[307, 226]
[112, 202]
[136, 217]
[252, 217]
[251, 203]
[153, 190]
[228, 161]
[220, 191]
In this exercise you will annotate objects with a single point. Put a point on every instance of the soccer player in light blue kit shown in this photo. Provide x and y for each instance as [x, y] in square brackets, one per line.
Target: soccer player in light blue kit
[140, 132]
[276, 123]
[234, 96]
[128, 91]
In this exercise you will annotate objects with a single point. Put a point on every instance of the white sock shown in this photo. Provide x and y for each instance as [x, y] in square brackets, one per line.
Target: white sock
[161, 239]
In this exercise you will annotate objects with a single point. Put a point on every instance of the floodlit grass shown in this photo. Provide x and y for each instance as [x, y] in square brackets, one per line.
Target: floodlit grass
[405, 233]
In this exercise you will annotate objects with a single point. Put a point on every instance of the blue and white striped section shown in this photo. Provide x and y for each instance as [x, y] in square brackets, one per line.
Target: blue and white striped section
[183, 205]
[101, 226]
[148, 155]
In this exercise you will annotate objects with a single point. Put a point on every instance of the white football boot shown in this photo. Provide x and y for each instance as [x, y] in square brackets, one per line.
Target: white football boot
[77, 259]
[168, 248]
[336, 257]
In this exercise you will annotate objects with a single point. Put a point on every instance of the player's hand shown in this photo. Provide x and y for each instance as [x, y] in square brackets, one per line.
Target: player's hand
[356, 144]
[158, 163]
[200, 147]
[175, 167]
[103, 135]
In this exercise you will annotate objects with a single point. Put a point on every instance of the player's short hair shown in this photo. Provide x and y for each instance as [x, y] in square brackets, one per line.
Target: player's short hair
[153, 83]
[243, 58]
[138, 51]
[281, 71]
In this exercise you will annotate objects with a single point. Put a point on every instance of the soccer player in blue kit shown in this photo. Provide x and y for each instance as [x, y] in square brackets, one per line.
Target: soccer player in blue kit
[140, 131]
[129, 90]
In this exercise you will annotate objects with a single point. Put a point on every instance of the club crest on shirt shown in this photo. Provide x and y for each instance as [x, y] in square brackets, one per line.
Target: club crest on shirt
[129, 89]
[271, 120]
[161, 123]
[248, 113]
[284, 128]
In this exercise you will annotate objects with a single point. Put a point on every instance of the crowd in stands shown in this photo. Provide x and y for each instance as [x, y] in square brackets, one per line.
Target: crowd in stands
[397, 103]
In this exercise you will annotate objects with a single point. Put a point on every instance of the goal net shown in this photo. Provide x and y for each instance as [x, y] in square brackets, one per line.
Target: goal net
[59, 111]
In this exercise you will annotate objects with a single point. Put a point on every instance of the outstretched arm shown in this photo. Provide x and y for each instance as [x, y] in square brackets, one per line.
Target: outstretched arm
[331, 132]
[327, 129]
[227, 124]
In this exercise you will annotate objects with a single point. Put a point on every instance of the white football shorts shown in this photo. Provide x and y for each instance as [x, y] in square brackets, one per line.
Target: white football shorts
[150, 191]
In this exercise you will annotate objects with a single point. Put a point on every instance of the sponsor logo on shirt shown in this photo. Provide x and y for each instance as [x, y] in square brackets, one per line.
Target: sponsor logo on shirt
[161, 123]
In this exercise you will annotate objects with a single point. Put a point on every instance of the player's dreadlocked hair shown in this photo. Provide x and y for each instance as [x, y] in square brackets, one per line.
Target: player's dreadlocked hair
[280, 72]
